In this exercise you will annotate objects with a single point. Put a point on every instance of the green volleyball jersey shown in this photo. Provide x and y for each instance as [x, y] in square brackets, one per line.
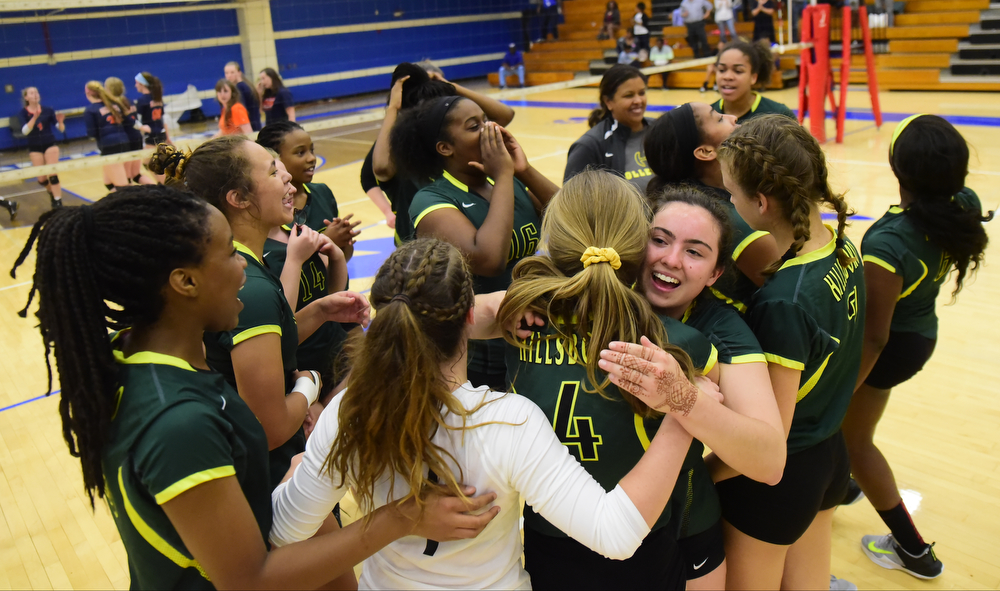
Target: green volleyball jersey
[322, 347]
[895, 244]
[447, 192]
[761, 106]
[810, 316]
[175, 427]
[320, 205]
[265, 311]
[726, 329]
[603, 434]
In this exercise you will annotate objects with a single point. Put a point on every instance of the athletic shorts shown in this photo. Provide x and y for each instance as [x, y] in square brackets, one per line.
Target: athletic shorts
[135, 143]
[814, 480]
[564, 563]
[703, 552]
[903, 356]
[152, 139]
[114, 149]
[41, 148]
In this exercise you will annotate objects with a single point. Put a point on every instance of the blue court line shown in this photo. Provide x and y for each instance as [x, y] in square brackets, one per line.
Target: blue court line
[23, 402]
[852, 114]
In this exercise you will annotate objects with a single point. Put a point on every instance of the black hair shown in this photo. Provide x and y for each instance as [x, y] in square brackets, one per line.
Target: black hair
[641, 6]
[758, 53]
[666, 153]
[695, 196]
[272, 135]
[617, 75]
[120, 250]
[930, 158]
[431, 89]
[276, 83]
[409, 146]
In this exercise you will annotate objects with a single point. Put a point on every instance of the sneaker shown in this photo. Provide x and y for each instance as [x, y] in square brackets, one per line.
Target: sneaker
[841, 584]
[11, 208]
[704, 88]
[885, 552]
[56, 203]
[854, 493]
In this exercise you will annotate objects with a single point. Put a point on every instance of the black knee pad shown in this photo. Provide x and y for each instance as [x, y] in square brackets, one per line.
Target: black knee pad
[44, 182]
[109, 186]
[137, 178]
[54, 179]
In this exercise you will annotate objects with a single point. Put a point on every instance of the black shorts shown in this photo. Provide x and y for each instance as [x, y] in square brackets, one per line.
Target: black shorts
[814, 480]
[564, 563]
[135, 143]
[152, 139]
[704, 552]
[40, 147]
[114, 149]
[903, 356]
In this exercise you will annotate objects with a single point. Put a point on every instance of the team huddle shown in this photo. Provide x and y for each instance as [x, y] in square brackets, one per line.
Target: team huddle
[565, 353]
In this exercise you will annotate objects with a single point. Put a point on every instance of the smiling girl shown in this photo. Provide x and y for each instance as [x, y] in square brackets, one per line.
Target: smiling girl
[740, 68]
[233, 119]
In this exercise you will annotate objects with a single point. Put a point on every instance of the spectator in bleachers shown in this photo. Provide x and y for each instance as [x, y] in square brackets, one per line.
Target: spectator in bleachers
[661, 54]
[640, 27]
[763, 20]
[726, 19]
[695, 13]
[628, 49]
[612, 20]
[513, 63]
[550, 11]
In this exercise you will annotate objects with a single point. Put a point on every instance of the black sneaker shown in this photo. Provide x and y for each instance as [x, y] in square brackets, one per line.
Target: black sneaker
[854, 493]
[56, 203]
[887, 553]
[11, 208]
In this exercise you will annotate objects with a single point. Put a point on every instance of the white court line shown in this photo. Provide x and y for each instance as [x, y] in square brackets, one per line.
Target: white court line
[15, 285]
[342, 133]
[886, 165]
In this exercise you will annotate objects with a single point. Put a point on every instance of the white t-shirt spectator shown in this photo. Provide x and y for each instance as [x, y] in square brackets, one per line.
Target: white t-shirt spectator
[661, 56]
[723, 10]
[638, 28]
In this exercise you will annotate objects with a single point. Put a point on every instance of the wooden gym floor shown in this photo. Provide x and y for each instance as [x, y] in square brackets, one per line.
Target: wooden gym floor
[939, 433]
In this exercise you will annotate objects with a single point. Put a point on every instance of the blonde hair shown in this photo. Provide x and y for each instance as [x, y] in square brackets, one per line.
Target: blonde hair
[24, 93]
[116, 105]
[594, 302]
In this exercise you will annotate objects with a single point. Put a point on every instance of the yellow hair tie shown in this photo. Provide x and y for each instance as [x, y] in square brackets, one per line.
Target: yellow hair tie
[595, 255]
[899, 129]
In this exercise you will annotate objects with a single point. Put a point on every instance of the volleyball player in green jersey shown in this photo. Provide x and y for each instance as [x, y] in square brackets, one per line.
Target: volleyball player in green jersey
[258, 357]
[809, 319]
[171, 447]
[682, 147]
[487, 200]
[741, 67]
[594, 238]
[689, 248]
[909, 253]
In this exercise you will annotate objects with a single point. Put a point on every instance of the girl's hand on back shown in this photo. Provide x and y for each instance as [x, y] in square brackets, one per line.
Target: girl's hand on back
[650, 374]
[303, 241]
[447, 518]
[515, 151]
[497, 162]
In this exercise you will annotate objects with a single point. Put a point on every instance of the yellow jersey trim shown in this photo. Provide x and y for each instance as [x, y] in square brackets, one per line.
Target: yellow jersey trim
[713, 358]
[813, 380]
[432, 209]
[640, 432]
[896, 209]
[818, 254]
[245, 250]
[874, 259]
[748, 358]
[153, 538]
[459, 183]
[687, 313]
[256, 331]
[192, 481]
[753, 107]
[910, 289]
[147, 357]
[747, 242]
[734, 303]
[784, 361]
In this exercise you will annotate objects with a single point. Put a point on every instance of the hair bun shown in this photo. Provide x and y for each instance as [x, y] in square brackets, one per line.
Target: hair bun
[169, 161]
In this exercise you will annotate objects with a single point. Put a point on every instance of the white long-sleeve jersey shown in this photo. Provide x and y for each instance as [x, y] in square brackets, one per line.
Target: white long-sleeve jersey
[517, 455]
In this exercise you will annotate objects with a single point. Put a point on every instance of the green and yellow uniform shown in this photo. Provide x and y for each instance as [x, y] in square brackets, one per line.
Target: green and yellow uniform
[320, 205]
[447, 192]
[175, 427]
[604, 435]
[265, 311]
[761, 106]
[896, 245]
[322, 347]
[810, 316]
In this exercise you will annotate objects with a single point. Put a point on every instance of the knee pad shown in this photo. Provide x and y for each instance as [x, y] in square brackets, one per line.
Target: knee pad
[109, 186]
[54, 179]
[137, 178]
[44, 182]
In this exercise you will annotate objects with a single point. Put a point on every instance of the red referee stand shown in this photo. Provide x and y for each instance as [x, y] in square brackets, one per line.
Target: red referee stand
[816, 74]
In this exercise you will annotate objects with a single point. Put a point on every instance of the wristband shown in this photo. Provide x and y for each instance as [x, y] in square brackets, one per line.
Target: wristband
[308, 387]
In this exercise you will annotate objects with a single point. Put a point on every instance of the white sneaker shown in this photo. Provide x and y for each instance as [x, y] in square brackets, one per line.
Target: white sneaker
[841, 584]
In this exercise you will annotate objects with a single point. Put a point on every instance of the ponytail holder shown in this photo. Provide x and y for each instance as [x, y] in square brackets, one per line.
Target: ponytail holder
[840, 243]
[594, 255]
[789, 255]
[141, 79]
[174, 159]
[899, 130]
[402, 297]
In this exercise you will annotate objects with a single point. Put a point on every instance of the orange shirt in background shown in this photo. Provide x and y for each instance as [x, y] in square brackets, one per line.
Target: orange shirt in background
[238, 116]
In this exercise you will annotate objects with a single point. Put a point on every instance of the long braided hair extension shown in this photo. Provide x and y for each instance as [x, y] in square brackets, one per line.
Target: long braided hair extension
[775, 156]
[421, 294]
[121, 251]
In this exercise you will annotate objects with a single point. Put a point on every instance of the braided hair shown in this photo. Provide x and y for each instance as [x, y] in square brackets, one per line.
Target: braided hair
[272, 135]
[120, 250]
[214, 169]
[775, 156]
[422, 294]
[930, 158]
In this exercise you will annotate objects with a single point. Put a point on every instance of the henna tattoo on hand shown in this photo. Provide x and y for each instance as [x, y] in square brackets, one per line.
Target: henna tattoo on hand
[679, 393]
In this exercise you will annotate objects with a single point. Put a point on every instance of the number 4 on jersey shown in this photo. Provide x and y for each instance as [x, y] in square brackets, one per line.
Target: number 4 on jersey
[573, 431]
